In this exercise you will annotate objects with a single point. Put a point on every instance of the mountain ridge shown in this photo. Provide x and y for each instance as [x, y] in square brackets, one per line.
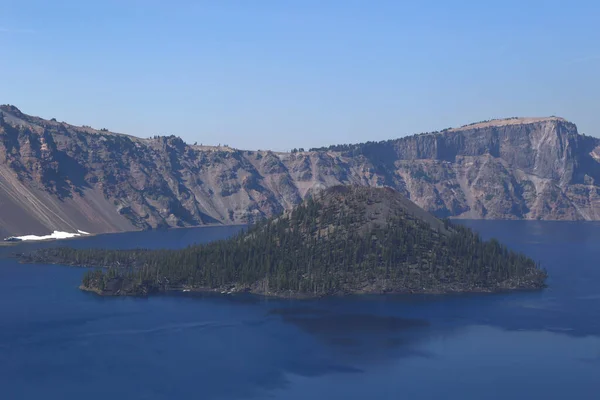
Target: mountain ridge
[56, 176]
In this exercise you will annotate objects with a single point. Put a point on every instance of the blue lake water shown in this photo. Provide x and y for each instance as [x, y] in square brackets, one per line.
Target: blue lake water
[57, 342]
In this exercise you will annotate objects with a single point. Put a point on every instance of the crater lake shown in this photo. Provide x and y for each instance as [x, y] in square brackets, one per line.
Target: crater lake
[57, 342]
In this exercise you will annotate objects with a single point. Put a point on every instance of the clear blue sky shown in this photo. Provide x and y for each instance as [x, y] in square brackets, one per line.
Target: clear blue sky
[281, 74]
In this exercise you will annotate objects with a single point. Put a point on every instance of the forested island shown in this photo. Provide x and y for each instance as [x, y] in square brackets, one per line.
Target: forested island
[343, 240]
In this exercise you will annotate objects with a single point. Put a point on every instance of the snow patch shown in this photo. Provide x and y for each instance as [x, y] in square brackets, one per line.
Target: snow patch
[53, 235]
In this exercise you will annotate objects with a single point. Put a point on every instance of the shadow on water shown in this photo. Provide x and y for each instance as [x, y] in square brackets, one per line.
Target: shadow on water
[354, 341]
[258, 342]
[358, 333]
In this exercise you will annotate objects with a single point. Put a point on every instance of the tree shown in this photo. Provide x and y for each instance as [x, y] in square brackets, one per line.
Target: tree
[325, 245]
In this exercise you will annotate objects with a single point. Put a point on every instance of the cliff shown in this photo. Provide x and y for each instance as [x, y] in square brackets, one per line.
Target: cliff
[56, 176]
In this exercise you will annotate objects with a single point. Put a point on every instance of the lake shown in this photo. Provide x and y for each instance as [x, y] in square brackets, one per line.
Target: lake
[57, 342]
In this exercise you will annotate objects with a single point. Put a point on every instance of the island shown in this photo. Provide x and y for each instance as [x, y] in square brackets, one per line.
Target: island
[341, 240]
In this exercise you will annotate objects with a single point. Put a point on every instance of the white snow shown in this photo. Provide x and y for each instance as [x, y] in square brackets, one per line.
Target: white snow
[53, 235]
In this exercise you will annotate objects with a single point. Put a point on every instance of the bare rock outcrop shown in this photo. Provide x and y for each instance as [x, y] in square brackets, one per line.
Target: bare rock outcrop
[56, 176]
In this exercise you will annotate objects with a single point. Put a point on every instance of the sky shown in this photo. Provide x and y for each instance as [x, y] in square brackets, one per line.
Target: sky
[280, 74]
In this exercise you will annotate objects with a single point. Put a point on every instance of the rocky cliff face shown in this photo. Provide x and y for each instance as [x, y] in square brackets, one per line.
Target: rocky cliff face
[57, 176]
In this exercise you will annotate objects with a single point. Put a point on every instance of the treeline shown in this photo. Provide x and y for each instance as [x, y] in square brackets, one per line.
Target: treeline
[352, 149]
[367, 148]
[319, 248]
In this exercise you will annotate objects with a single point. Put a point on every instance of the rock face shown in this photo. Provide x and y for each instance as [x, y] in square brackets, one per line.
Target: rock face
[55, 176]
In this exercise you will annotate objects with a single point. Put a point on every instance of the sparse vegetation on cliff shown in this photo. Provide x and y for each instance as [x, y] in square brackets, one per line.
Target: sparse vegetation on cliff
[100, 181]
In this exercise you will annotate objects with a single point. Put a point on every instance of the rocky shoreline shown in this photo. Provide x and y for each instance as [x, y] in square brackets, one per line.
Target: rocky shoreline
[144, 291]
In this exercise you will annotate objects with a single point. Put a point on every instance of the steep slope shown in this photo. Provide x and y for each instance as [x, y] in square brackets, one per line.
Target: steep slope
[55, 176]
[345, 239]
[519, 168]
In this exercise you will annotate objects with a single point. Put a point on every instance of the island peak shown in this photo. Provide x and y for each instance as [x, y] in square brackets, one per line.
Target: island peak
[342, 240]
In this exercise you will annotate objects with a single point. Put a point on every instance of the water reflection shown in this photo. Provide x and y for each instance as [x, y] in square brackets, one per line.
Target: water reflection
[53, 337]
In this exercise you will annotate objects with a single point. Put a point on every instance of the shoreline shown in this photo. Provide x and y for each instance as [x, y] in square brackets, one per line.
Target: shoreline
[309, 296]
[453, 218]
[89, 235]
